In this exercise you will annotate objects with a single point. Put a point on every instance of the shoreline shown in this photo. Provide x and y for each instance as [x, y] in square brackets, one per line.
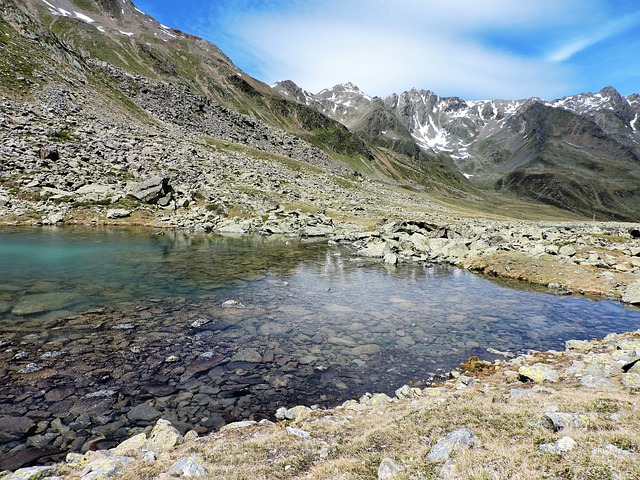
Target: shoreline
[532, 384]
[597, 259]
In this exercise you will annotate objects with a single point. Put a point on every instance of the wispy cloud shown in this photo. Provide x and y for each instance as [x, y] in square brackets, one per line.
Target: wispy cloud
[385, 47]
[608, 30]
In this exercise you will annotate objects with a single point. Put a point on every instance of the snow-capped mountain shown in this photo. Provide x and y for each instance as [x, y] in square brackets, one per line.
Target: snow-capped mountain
[529, 146]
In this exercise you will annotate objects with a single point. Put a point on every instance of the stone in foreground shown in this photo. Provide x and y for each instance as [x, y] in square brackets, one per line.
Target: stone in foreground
[538, 373]
[389, 469]
[462, 438]
[31, 473]
[560, 446]
[188, 467]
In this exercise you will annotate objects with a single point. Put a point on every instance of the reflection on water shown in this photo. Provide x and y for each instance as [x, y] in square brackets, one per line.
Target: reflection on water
[96, 324]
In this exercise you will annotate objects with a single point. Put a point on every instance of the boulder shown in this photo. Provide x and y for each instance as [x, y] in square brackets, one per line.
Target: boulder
[150, 190]
[164, 436]
[558, 421]
[143, 412]
[462, 438]
[237, 425]
[298, 432]
[103, 468]
[118, 213]
[14, 428]
[538, 373]
[632, 294]
[131, 445]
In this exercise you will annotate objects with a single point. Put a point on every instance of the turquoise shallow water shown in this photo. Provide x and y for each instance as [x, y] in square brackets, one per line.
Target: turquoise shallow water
[208, 329]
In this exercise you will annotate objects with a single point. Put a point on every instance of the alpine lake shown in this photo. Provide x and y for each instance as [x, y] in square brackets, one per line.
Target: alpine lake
[103, 331]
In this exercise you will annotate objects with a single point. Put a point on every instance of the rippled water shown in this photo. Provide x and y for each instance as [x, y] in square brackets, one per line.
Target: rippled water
[206, 329]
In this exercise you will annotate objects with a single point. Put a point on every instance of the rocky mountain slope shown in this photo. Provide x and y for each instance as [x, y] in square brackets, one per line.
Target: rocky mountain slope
[96, 95]
[580, 152]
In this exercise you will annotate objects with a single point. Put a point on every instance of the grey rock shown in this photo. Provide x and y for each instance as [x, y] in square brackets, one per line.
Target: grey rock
[621, 452]
[298, 432]
[632, 294]
[144, 412]
[519, 392]
[115, 213]
[462, 438]
[560, 446]
[595, 381]
[237, 425]
[30, 473]
[558, 421]
[188, 467]
[150, 190]
[103, 468]
[247, 355]
[389, 469]
[14, 427]
[567, 251]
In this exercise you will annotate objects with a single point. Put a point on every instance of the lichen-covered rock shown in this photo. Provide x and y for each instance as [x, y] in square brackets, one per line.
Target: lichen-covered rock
[405, 392]
[631, 379]
[562, 445]
[295, 413]
[30, 473]
[380, 399]
[104, 468]
[538, 373]
[462, 438]
[579, 345]
[594, 381]
[164, 436]
[558, 421]
[130, 445]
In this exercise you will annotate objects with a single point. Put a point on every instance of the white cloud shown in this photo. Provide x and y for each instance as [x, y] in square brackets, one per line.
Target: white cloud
[385, 47]
[601, 33]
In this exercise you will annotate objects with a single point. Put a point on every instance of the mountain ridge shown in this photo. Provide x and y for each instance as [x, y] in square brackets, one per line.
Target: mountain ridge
[493, 142]
[416, 140]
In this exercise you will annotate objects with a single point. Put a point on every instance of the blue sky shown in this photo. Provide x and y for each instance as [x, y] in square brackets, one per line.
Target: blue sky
[468, 48]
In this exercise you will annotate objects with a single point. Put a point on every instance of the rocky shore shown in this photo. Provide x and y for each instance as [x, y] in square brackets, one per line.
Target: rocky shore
[571, 412]
[67, 161]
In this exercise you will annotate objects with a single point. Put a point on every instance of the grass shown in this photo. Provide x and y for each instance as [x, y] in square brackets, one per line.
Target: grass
[351, 444]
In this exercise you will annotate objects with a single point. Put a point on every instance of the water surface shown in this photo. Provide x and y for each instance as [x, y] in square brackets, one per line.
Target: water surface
[108, 329]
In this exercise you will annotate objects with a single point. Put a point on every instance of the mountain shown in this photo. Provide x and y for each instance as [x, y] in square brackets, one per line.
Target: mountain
[98, 96]
[580, 153]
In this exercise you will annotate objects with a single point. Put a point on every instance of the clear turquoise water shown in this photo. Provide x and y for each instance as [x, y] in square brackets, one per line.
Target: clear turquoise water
[52, 273]
[99, 312]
